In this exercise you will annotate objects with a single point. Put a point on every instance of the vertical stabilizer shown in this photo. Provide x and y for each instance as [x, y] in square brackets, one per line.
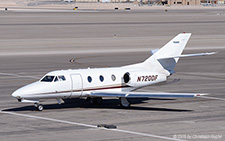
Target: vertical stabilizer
[174, 47]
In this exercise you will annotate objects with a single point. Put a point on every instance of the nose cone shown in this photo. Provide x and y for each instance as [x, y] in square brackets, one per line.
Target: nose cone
[16, 94]
[25, 91]
[19, 93]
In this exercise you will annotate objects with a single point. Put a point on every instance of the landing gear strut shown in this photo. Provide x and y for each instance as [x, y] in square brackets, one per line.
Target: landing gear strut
[124, 102]
[38, 107]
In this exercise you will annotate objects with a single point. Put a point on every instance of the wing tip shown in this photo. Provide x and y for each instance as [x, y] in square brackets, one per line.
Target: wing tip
[200, 94]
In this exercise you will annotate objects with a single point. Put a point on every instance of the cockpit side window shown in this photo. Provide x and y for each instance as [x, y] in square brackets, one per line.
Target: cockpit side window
[56, 79]
[47, 78]
[62, 78]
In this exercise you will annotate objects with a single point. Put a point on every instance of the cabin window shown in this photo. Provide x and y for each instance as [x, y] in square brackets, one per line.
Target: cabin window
[89, 79]
[62, 78]
[47, 78]
[113, 77]
[101, 78]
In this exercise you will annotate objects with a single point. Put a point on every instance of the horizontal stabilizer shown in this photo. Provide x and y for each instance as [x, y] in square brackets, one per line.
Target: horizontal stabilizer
[143, 94]
[169, 62]
[189, 55]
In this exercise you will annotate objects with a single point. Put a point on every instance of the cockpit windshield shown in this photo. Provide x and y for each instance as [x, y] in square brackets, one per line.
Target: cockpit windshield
[62, 78]
[50, 78]
[47, 78]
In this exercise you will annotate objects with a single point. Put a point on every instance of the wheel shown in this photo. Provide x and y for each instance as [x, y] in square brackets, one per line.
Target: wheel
[39, 107]
[96, 101]
[99, 100]
[88, 99]
[124, 102]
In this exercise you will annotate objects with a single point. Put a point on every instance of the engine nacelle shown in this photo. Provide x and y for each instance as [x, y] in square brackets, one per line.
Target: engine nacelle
[142, 78]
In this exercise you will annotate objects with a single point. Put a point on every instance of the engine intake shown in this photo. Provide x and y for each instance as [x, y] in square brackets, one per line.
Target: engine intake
[126, 77]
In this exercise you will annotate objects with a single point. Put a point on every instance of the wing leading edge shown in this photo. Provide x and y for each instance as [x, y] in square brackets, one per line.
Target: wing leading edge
[144, 94]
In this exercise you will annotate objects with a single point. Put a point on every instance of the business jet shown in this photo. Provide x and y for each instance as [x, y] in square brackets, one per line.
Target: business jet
[119, 82]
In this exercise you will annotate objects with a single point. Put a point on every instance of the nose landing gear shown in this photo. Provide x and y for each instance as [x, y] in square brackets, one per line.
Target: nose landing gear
[39, 107]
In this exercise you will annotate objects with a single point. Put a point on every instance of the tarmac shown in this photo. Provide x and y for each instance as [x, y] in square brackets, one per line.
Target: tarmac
[33, 43]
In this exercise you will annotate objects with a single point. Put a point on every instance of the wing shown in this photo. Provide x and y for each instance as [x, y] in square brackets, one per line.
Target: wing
[143, 94]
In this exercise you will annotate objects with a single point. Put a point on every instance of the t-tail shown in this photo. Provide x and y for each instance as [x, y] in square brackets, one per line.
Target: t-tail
[165, 59]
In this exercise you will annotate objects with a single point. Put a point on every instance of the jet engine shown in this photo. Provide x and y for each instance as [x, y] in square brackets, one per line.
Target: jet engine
[142, 78]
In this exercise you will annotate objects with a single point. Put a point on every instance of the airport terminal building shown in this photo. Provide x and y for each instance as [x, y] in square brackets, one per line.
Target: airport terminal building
[193, 2]
[183, 2]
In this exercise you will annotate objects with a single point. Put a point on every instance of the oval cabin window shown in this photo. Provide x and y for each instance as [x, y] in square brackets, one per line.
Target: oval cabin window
[113, 77]
[89, 79]
[101, 78]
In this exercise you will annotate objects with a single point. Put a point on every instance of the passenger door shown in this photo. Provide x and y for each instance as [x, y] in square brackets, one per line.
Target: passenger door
[76, 85]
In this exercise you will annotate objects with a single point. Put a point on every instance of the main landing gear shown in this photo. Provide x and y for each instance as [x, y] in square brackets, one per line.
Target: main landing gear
[124, 102]
[39, 107]
[95, 100]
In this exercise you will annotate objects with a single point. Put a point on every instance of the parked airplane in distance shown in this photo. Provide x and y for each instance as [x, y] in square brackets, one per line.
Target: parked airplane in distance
[119, 82]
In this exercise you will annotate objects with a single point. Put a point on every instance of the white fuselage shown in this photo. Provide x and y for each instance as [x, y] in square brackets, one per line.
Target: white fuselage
[81, 82]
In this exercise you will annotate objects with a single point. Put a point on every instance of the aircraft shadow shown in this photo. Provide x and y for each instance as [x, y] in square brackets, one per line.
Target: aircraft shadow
[106, 104]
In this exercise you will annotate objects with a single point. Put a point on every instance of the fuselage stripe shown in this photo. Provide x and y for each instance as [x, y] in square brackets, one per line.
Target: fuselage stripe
[88, 89]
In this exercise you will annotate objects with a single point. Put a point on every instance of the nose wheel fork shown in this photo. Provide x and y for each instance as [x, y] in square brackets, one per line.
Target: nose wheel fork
[39, 107]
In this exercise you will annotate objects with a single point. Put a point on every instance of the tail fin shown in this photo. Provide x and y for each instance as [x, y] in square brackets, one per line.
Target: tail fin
[174, 47]
[164, 58]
